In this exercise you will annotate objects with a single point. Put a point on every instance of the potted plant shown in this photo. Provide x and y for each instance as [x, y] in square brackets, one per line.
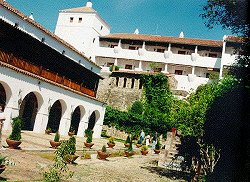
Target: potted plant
[88, 134]
[102, 154]
[14, 139]
[71, 150]
[86, 155]
[111, 142]
[2, 163]
[138, 145]
[56, 142]
[71, 131]
[157, 149]
[144, 150]
[129, 152]
[48, 131]
[127, 142]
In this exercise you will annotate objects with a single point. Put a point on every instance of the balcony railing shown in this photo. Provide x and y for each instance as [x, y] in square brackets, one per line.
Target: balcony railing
[44, 73]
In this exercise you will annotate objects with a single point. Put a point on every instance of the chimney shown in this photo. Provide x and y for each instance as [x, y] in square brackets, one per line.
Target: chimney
[89, 4]
[136, 31]
[181, 35]
[31, 16]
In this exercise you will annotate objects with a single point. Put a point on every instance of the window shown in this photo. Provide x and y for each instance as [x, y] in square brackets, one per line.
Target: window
[113, 45]
[71, 19]
[110, 64]
[160, 50]
[117, 81]
[125, 82]
[133, 83]
[140, 84]
[101, 27]
[178, 72]
[157, 69]
[93, 40]
[128, 66]
[182, 52]
[79, 20]
[213, 55]
[133, 48]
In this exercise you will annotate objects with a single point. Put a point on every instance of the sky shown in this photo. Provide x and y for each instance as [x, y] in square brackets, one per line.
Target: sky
[154, 17]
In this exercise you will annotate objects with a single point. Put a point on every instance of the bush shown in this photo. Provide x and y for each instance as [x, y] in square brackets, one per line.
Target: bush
[130, 148]
[89, 134]
[115, 69]
[104, 149]
[2, 159]
[127, 139]
[111, 140]
[137, 107]
[16, 129]
[57, 137]
[158, 145]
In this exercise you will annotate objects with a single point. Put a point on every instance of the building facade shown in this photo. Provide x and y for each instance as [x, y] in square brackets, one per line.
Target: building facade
[45, 80]
[189, 60]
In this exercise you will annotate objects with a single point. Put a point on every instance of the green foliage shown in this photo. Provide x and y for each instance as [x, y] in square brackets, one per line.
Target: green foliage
[144, 148]
[114, 68]
[2, 159]
[127, 139]
[130, 148]
[158, 145]
[16, 129]
[57, 137]
[104, 149]
[89, 134]
[111, 140]
[71, 145]
[136, 108]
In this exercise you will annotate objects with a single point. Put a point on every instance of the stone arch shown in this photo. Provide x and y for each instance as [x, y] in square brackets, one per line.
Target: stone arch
[5, 93]
[93, 118]
[76, 117]
[55, 115]
[28, 110]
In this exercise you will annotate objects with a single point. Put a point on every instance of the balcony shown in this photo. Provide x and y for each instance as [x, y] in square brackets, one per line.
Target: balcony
[44, 73]
[149, 56]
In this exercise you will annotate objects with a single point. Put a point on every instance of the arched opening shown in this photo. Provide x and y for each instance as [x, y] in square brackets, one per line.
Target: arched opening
[28, 111]
[75, 120]
[92, 121]
[55, 115]
[2, 96]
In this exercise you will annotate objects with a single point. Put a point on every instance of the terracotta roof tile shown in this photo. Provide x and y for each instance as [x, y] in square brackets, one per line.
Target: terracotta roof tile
[80, 10]
[155, 38]
[37, 25]
[236, 39]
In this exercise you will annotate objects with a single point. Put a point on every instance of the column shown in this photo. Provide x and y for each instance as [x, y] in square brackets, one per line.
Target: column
[196, 50]
[116, 61]
[193, 69]
[222, 55]
[169, 47]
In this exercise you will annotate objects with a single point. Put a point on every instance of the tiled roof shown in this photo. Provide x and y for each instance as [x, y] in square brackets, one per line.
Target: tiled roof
[155, 38]
[37, 25]
[80, 10]
[235, 39]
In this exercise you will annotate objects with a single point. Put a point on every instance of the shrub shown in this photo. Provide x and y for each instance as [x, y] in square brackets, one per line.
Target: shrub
[130, 148]
[57, 137]
[158, 145]
[144, 148]
[104, 149]
[2, 159]
[16, 129]
[111, 140]
[128, 139]
[116, 68]
[89, 134]
[71, 145]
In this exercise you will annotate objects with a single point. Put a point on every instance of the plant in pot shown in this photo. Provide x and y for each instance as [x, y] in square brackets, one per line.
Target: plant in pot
[88, 134]
[71, 150]
[157, 149]
[144, 150]
[111, 142]
[139, 143]
[48, 131]
[130, 151]
[14, 139]
[102, 154]
[71, 131]
[2, 163]
[127, 141]
[56, 142]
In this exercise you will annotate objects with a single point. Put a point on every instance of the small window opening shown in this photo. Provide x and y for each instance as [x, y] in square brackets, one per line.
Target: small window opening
[71, 19]
[117, 81]
[140, 84]
[125, 82]
[80, 20]
[133, 83]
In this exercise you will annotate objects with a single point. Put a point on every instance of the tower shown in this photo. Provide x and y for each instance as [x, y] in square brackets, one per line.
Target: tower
[81, 27]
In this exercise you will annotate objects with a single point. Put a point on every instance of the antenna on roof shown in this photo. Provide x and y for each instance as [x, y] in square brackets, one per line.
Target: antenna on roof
[136, 31]
[31, 16]
[181, 35]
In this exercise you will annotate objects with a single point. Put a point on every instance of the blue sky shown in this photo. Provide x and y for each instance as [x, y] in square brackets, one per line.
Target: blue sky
[156, 17]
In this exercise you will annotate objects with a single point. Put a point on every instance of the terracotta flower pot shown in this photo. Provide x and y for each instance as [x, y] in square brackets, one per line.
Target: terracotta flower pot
[157, 151]
[138, 145]
[128, 154]
[13, 144]
[70, 158]
[54, 144]
[88, 145]
[126, 145]
[144, 152]
[2, 168]
[111, 145]
[102, 155]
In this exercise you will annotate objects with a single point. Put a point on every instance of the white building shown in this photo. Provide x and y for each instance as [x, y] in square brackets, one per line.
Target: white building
[190, 60]
[45, 80]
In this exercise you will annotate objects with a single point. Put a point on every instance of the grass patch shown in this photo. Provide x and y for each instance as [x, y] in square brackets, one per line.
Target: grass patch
[49, 156]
